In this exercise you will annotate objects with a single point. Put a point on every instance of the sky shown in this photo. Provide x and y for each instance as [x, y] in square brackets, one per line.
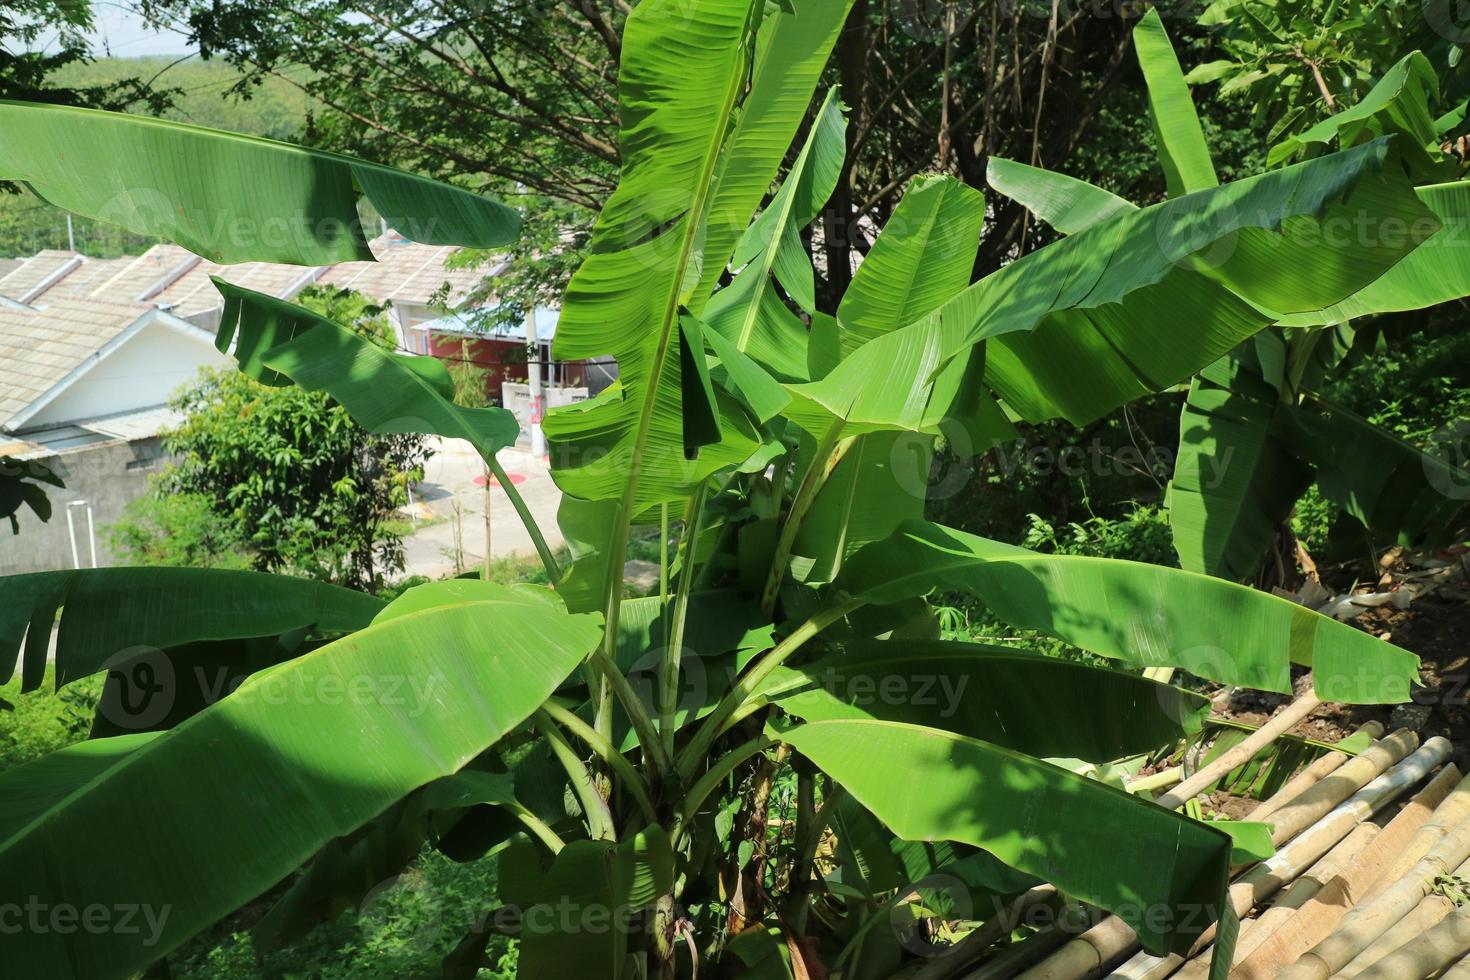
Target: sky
[122, 33]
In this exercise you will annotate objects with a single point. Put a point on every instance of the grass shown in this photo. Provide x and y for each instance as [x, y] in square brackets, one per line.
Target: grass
[401, 931]
[45, 720]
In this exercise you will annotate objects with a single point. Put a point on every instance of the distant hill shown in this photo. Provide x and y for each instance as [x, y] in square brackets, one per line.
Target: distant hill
[275, 108]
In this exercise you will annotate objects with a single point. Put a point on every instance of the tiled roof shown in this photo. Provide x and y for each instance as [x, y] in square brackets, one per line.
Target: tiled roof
[86, 278]
[34, 272]
[406, 272]
[193, 292]
[39, 348]
[144, 276]
[174, 278]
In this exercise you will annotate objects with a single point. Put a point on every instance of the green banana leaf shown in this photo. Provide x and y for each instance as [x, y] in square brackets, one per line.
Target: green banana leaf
[1112, 297]
[742, 376]
[791, 52]
[881, 482]
[1145, 614]
[277, 343]
[922, 258]
[588, 527]
[632, 442]
[298, 755]
[40, 784]
[1182, 148]
[1389, 485]
[1020, 700]
[1156, 869]
[772, 240]
[1067, 204]
[576, 914]
[108, 614]
[260, 200]
[1435, 272]
[155, 690]
[1235, 481]
[748, 314]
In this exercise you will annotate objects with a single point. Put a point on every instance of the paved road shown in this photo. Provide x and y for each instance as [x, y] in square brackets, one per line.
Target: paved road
[449, 478]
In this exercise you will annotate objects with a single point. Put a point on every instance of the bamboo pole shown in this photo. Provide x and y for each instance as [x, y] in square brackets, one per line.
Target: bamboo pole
[1360, 927]
[1239, 755]
[1425, 916]
[1112, 938]
[1320, 798]
[1292, 860]
[1146, 966]
[1448, 815]
[1458, 971]
[1311, 775]
[1315, 920]
[1428, 953]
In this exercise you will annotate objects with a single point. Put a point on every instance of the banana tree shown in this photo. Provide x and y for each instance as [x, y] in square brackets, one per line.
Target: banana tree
[1255, 431]
[617, 755]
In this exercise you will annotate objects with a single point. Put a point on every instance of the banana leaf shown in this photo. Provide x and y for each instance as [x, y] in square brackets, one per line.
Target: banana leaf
[263, 200]
[300, 754]
[111, 614]
[1144, 614]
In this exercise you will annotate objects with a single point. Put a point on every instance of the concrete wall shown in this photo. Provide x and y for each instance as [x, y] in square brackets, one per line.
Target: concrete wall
[107, 476]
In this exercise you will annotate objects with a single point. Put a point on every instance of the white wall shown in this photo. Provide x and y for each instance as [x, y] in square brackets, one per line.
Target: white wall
[144, 371]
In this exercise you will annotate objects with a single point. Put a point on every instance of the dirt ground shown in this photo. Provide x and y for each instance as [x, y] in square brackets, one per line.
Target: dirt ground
[1436, 627]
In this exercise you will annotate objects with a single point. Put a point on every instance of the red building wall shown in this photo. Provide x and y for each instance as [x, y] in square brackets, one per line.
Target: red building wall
[504, 359]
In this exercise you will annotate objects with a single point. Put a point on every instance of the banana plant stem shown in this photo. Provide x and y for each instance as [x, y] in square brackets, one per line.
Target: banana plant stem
[824, 461]
[538, 827]
[711, 780]
[751, 680]
[608, 753]
[599, 817]
[638, 715]
[668, 679]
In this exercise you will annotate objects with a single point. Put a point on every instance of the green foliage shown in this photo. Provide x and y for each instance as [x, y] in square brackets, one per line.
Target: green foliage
[620, 758]
[280, 476]
[45, 720]
[1143, 534]
[1296, 63]
[181, 529]
[402, 931]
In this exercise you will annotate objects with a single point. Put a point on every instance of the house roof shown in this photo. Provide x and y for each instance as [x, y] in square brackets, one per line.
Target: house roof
[405, 272]
[484, 325]
[85, 278]
[193, 292]
[174, 278]
[32, 277]
[143, 277]
[40, 348]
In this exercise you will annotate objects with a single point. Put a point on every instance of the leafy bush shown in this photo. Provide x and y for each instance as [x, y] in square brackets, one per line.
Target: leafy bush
[45, 720]
[183, 529]
[281, 476]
